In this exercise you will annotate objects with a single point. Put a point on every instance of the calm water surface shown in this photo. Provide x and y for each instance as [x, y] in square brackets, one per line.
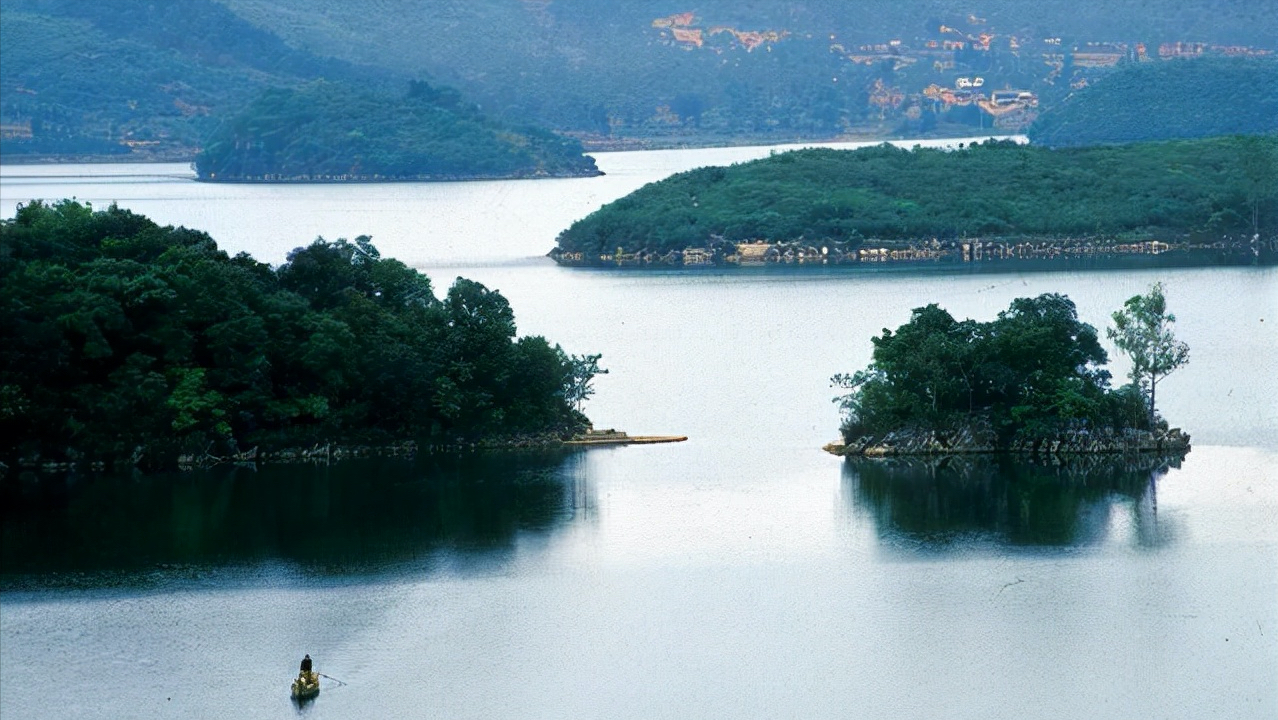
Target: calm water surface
[743, 572]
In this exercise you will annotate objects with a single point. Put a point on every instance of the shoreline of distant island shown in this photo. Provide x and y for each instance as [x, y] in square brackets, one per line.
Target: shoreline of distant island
[987, 252]
[376, 179]
[590, 143]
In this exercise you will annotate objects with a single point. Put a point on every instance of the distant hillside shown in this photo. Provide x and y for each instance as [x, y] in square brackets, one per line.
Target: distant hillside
[111, 77]
[1203, 188]
[1162, 101]
[121, 76]
[154, 79]
[163, 80]
[327, 131]
[719, 71]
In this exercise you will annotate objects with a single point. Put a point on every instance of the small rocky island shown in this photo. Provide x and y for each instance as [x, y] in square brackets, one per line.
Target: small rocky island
[1031, 381]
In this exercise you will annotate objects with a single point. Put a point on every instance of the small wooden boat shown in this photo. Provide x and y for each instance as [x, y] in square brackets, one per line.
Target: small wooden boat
[305, 686]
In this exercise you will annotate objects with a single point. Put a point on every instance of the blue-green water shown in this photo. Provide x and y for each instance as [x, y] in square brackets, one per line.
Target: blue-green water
[743, 572]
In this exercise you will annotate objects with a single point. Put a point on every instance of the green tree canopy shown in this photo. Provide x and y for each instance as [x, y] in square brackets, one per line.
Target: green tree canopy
[1143, 330]
[120, 338]
[1034, 371]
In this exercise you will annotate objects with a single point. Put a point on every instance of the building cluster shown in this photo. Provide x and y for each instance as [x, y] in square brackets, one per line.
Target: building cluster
[683, 31]
[950, 47]
[16, 130]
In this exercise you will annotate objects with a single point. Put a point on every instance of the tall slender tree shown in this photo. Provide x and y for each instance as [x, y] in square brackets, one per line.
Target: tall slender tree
[1143, 330]
[584, 369]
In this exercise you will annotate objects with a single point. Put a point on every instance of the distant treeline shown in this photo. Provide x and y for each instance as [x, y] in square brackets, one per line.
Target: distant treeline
[1204, 97]
[1213, 188]
[121, 339]
[330, 131]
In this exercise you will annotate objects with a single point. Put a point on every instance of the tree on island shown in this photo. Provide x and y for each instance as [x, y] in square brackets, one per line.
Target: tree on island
[1034, 373]
[1143, 331]
[584, 368]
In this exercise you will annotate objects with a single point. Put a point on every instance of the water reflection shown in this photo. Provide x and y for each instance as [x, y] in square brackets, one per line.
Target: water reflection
[352, 517]
[959, 502]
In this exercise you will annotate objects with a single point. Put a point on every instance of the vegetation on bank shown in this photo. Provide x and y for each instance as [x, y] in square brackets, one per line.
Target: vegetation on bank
[1202, 97]
[1034, 374]
[121, 339]
[1000, 189]
[332, 131]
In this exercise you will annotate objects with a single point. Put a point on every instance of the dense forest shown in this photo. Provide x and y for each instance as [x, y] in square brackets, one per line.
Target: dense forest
[155, 79]
[326, 130]
[1035, 372]
[1203, 97]
[121, 339]
[1212, 188]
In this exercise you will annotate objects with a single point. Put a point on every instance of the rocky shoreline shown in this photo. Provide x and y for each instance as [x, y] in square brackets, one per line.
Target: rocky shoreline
[723, 253]
[328, 453]
[916, 442]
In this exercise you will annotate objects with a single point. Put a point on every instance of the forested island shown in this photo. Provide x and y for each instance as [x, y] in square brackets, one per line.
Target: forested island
[122, 341]
[1192, 98]
[334, 132]
[1031, 381]
[988, 200]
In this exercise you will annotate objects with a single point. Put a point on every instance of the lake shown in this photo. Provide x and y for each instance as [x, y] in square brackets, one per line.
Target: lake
[743, 573]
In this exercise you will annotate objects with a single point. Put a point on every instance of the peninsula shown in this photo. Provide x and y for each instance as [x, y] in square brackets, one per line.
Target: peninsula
[131, 344]
[982, 203]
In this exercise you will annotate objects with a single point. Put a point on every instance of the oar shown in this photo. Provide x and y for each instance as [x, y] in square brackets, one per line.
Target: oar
[330, 677]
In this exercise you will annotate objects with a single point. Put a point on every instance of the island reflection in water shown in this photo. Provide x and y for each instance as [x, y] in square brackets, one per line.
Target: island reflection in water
[355, 517]
[957, 503]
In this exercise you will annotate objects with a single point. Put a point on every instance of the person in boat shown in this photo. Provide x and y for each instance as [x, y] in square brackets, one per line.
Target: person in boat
[306, 685]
